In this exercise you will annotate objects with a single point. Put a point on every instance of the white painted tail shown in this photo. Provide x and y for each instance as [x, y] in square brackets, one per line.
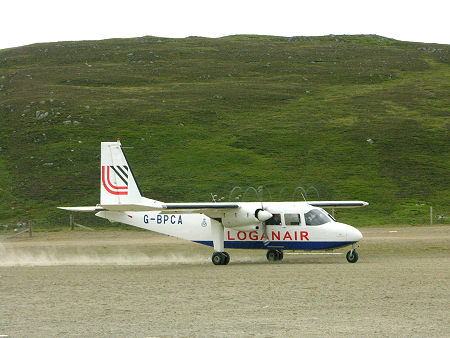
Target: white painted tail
[117, 183]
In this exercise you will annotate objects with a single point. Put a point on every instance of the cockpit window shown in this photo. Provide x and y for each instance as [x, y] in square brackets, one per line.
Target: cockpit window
[316, 217]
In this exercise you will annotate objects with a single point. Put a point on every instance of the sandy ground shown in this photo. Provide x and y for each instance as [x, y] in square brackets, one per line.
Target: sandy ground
[143, 284]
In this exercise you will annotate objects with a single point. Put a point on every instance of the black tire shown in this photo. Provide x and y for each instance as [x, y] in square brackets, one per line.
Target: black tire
[272, 255]
[227, 258]
[280, 255]
[352, 258]
[218, 258]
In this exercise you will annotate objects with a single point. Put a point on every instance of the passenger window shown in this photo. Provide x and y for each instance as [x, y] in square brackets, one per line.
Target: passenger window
[274, 220]
[292, 219]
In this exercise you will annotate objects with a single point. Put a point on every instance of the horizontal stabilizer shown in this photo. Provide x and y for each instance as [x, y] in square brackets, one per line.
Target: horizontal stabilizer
[132, 207]
[117, 207]
[338, 204]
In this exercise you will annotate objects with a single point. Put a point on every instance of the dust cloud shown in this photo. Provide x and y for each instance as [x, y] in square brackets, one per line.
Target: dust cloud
[54, 256]
[48, 256]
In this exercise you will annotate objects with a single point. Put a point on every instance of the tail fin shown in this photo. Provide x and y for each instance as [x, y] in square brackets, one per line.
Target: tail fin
[117, 185]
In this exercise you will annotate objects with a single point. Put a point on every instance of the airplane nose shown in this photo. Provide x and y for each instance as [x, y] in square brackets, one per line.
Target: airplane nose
[354, 235]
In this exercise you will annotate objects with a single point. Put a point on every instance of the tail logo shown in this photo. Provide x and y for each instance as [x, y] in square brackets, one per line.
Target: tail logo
[121, 174]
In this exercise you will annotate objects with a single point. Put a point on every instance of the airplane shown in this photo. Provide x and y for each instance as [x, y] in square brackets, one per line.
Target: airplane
[272, 226]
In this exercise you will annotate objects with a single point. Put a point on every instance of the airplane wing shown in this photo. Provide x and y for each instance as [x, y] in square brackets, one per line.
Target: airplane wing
[338, 204]
[210, 209]
[189, 206]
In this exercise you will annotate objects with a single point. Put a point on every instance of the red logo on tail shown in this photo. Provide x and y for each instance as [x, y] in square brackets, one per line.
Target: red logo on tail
[121, 174]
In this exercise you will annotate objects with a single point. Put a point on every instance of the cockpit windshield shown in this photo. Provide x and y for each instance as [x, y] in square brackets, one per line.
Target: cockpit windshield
[316, 217]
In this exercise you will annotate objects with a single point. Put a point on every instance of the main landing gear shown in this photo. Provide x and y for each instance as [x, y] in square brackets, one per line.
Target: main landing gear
[220, 258]
[352, 255]
[274, 255]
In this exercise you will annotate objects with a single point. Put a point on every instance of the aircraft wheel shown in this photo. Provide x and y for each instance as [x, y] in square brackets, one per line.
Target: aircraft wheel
[352, 257]
[218, 258]
[280, 255]
[227, 258]
[273, 255]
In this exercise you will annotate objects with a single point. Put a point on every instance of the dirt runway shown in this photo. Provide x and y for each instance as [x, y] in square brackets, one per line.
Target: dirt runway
[127, 283]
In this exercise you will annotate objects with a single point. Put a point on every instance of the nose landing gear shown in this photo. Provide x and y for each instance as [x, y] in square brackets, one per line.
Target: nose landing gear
[352, 255]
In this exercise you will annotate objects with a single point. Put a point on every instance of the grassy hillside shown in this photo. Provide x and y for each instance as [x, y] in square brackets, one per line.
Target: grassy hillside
[206, 115]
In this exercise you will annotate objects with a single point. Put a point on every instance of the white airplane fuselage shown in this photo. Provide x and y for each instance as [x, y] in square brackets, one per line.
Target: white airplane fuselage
[197, 228]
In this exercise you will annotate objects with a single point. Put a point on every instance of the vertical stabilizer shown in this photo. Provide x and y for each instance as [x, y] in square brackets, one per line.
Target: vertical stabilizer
[117, 183]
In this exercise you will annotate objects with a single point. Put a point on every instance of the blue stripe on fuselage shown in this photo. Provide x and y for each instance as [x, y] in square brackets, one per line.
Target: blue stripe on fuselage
[279, 245]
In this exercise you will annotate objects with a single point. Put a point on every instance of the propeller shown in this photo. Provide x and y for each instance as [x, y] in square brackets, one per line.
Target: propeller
[263, 215]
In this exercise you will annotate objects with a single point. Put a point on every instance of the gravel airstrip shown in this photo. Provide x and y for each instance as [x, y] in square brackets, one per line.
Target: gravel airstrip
[138, 283]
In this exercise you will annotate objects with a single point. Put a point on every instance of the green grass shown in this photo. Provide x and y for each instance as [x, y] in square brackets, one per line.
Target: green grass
[206, 115]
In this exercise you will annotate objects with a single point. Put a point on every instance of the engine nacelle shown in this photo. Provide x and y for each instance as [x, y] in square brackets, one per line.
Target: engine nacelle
[245, 216]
